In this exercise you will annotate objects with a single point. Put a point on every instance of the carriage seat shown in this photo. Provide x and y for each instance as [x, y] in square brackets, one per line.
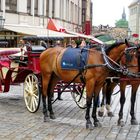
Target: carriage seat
[37, 49]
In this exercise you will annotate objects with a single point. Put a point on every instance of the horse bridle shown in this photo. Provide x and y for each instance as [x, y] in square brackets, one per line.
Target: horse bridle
[119, 69]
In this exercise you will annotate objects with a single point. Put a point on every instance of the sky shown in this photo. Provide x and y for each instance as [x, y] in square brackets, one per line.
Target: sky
[109, 11]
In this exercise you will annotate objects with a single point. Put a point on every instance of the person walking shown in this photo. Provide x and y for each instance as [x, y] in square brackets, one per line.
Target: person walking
[73, 44]
[83, 44]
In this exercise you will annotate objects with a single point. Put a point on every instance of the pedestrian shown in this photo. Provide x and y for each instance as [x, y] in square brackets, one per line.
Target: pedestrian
[22, 48]
[58, 43]
[73, 44]
[83, 44]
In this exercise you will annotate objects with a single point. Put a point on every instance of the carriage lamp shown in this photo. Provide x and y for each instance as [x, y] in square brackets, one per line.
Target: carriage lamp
[129, 33]
[2, 20]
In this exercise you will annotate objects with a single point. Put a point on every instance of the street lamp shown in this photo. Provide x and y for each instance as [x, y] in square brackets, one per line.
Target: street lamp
[129, 32]
[2, 20]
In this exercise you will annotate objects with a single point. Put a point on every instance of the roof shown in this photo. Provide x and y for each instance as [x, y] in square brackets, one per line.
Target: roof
[134, 2]
[85, 36]
[36, 30]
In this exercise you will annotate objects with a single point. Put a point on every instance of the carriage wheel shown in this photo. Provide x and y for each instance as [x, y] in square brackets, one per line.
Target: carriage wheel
[76, 94]
[31, 93]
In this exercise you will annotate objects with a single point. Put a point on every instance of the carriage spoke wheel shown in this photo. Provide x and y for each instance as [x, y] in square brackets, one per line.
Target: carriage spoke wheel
[76, 94]
[31, 93]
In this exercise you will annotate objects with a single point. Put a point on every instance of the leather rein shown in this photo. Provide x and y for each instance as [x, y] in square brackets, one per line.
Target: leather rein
[110, 64]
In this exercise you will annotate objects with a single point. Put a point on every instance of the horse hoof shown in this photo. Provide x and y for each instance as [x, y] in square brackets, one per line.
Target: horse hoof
[52, 98]
[46, 119]
[97, 124]
[110, 114]
[60, 99]
[52, 116]
[134, 122]
[121, 123]
[100, 113]
[89, 126]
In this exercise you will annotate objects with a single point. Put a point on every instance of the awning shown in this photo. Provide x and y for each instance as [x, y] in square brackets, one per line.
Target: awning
[36, 30]
[85, 36]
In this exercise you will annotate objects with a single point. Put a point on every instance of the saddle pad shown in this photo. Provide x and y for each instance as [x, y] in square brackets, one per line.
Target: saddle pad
[74, 59]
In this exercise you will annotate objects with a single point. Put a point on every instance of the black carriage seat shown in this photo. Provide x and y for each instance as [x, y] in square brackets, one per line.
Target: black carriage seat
[37, 49]
[17, 59]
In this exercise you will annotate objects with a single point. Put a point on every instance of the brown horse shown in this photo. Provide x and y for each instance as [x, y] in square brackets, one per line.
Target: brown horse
[93, 74]
[130, 60]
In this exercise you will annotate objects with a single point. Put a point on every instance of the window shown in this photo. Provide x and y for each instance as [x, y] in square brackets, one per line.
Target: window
[83, 15]
[29, 6]
[0, 5]
[36, 7]
[47, 8]
[76, 14]
[67, 11]
[62, 9]
[53, 7]
[133, 11]
[11, 5]
[72, 12]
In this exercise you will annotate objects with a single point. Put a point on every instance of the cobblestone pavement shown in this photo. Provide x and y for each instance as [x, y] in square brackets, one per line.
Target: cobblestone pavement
[16, 123]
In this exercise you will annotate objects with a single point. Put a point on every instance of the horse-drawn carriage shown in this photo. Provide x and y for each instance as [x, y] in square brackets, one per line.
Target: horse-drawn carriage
[92, 74]
[23, 67]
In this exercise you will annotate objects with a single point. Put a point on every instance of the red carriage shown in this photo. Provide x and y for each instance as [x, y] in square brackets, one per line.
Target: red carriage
[18, 67]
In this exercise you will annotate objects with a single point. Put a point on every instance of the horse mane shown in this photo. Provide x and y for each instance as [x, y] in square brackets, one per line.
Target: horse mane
[109, 47]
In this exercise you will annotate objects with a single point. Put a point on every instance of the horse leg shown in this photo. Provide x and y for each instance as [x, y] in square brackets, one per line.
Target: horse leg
[108, 98]
[95, 105]
[122, 101]
[52, 84]
[59, 94]
[101, 109]
[89, 92]
[133, 99]
[45, 82]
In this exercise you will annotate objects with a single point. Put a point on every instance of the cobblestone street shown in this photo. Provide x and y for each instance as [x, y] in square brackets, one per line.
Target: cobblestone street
[16, 123]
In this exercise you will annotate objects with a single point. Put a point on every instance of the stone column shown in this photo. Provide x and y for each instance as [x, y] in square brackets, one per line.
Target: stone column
[3, 7]
[40, 7]
[57, 9]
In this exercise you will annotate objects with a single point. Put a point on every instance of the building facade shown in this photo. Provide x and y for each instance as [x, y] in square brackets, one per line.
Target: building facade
[67, 13]
[31, 17]
[134, 18]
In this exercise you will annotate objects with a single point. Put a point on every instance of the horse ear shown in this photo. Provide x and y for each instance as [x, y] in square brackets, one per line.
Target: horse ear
[126, 42]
